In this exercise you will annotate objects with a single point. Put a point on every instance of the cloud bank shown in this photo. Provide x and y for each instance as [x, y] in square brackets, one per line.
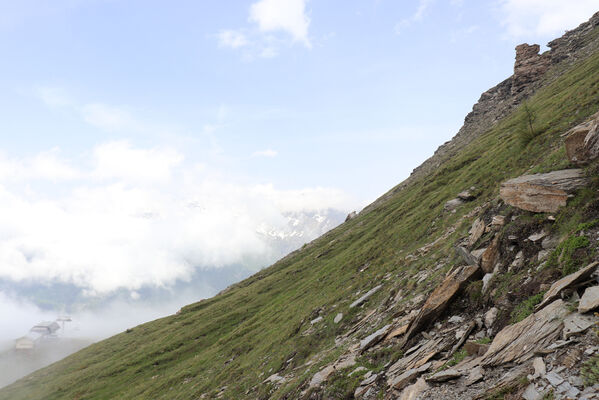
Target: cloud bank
[134, 217]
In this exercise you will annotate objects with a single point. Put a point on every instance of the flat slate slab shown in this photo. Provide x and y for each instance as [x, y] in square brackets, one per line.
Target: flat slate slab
[519, 342]
[542, 192]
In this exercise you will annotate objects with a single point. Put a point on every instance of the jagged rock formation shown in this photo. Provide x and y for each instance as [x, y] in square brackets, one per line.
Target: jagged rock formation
[529, 67]
[531, 71]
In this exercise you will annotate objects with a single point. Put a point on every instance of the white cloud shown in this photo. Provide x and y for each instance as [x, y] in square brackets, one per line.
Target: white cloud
[268, 18]
[282, 15]
[544, 18]
[232, 38]
[132, 217]
[43, 166]
[265, 153]
[423, 6]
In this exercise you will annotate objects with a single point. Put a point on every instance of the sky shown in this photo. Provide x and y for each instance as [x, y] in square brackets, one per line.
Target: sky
[141, 139]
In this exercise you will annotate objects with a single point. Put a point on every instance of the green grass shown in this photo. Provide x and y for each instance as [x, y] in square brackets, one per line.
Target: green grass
[525, 308]
[240, 337]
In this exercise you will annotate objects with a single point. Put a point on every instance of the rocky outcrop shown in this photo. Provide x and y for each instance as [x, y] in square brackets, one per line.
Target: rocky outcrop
[502, 99]
[566, 282]
[529, 66]
[440, 298]
[542, 192]
[582, 142]
[519, 342]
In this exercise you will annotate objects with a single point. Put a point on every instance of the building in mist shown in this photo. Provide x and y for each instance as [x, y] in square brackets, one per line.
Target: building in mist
[43, 330]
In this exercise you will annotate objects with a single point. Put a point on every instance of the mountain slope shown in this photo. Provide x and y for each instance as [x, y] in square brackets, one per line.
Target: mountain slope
[227, 346]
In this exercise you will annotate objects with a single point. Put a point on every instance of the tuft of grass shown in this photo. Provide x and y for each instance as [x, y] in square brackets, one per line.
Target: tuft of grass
[564, 255]
[485, 340]
[526, 308]
[590, 371]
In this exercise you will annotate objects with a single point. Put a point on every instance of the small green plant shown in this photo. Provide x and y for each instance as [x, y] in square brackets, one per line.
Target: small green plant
[563, 255]
[457, 358]
[526, 130]
[526, 308]
[485, 340]
[590, 371]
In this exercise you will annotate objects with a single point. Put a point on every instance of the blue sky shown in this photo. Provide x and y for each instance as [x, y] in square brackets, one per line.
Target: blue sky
[369, 92]
[111, 111]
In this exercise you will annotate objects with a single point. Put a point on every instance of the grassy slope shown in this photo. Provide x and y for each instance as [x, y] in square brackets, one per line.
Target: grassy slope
[240, 337]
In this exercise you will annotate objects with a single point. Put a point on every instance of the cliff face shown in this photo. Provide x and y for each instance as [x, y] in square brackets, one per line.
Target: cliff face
[531, 72]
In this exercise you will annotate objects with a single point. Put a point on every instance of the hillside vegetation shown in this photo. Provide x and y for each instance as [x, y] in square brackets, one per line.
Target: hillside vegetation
[227, 346]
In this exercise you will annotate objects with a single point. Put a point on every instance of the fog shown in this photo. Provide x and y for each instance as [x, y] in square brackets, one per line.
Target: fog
[87, 327]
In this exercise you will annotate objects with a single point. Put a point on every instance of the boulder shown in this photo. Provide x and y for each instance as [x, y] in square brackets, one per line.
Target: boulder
[453, 204]
[582, 141]
[566, 282]
[440, 298]
[589, 300]
[542, 192]
[575, 148]
[519, 342]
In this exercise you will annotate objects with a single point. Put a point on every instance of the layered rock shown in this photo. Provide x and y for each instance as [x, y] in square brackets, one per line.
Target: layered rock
[542, 192]
[529, 66]
[440, 298]
[519, 342]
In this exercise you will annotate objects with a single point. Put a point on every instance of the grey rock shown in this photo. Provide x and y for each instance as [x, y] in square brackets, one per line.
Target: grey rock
[456, 319]
[444, 376]
[374, 338]
[537, 236]
[589, 300]
[453, 204]
[316, 320]
[566, 282]
[531, 393]
[575, 324]
[539, 366]
[365, 296]
[491, 316]
[467, 256]
[519, 342]
[474, 376]
[554, 379]
[338, 318]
